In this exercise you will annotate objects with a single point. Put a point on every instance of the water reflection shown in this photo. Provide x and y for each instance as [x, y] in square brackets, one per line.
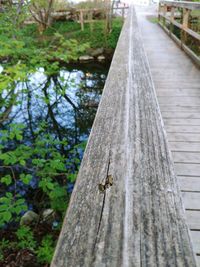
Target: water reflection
[56, 113]
[67, 102]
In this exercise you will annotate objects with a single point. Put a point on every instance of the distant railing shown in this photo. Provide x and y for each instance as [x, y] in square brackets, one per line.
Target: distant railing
[83, 16]
[87, 15]
[179, 15]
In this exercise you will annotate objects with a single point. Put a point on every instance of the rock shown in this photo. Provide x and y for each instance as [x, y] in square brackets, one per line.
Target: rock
[29, 217]
[101, 58]
[48, 216]
[96, 52]
[86, 58]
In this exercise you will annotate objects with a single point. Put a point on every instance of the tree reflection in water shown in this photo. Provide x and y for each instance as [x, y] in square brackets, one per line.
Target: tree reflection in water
[56, 113]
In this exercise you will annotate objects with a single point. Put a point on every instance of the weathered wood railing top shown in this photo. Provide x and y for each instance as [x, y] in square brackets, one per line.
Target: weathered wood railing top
[126, 208]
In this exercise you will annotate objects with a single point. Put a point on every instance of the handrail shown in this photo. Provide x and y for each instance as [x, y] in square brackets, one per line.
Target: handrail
[166, 15]
[182, 4]
[126, 207]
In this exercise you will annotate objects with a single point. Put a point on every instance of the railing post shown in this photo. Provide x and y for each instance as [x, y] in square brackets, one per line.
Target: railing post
[123, 13]
[172, 19]
[91, 20]
[164, 14]
[186, 13]
[159, 11]
[81, 20]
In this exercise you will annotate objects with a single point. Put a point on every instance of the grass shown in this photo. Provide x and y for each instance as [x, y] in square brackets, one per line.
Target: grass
[153, 19]
[94, 35]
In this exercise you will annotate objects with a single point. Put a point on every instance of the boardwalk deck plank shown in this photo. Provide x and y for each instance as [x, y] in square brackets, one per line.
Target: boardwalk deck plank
[181, 122]
[189, 183]
[191, 200]
[185, 146]
[184, 137]
[180, 115]
[193, 218]
[183, 128]
[187, 169]
[186, 157]
[195, 235]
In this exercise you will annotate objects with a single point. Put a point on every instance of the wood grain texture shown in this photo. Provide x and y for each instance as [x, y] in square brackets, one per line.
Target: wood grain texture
[186, 157]
[193, 218]
[177, 84]
[189, 184]
[191, 200]
[185, 146]
[139, 220]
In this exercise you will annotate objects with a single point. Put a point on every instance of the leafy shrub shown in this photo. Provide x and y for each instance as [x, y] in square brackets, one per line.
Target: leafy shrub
[45, 250]
[25, 238]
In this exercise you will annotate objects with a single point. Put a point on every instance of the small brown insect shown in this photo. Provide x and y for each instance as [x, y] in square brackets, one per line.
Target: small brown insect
[102, 187]
[109, 182]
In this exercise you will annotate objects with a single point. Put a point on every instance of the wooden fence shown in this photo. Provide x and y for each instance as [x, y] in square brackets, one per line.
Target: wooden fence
[87, 15]
[83, 16]
[173, 14]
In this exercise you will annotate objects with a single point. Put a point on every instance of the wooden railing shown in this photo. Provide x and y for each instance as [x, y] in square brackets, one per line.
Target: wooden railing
[126, 207]
[173, 14]
[87, 15]
[83, 16]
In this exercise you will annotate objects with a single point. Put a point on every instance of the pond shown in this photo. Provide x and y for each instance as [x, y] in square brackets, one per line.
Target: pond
[44, 125]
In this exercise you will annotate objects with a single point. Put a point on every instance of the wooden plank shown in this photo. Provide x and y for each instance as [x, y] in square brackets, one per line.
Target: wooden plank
[186, 157]
[184, 146]
[180, 115]
[195, 235]
[183, 129]
[166, 85]
[183, 121]
[191, 200]
[183, 137]
[126, 207]
[179, 92]
[193, 218]
[188, 183]
[198, 261]
[187, 169]
[175, 100]
[179, 108]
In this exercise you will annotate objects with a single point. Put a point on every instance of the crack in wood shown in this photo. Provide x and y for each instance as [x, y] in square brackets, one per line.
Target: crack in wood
[102, 189]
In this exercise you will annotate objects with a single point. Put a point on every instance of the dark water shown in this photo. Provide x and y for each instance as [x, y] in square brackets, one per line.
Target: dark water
[60, 108]
[67, 102]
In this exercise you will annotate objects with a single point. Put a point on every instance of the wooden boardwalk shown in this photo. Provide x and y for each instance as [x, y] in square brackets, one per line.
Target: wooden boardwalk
[177, 84]
[126, 208]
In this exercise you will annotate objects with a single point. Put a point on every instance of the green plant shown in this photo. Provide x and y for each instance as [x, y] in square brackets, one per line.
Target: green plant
[4, 244]
[25, 238]
[153, 19]
[10, 207]
[46, 250]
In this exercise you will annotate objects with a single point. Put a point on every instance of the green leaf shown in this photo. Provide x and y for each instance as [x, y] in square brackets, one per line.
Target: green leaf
[50, 186]
[72, 177]
[22, 162]
[3, 207]
[6, 179]
[25, 178]
[7, 216]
